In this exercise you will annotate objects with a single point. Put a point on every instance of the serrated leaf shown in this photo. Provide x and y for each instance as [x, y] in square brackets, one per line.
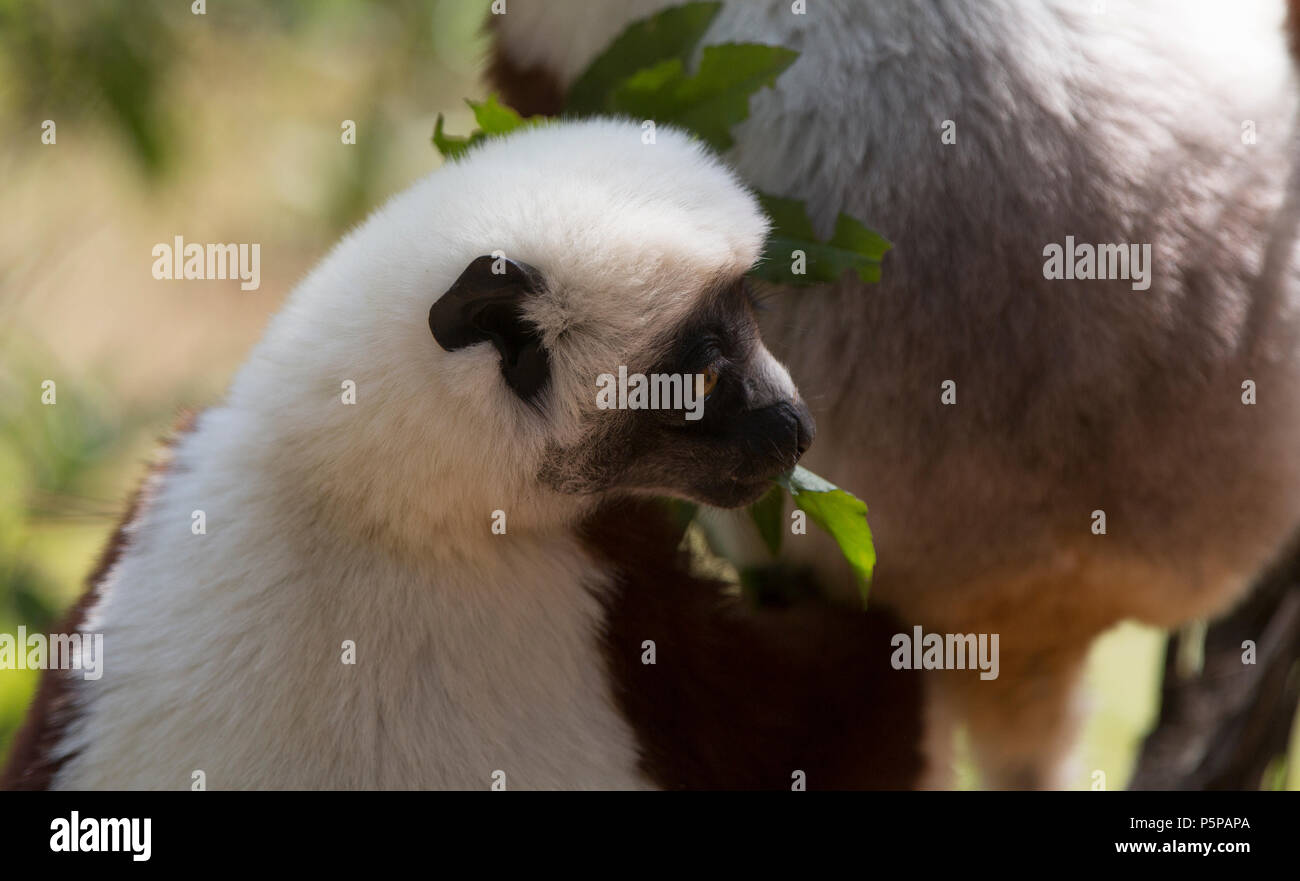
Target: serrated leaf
[851, 247]
[840, 513]
[494, 118]
[767, 514]
[673, 33]
[710, 101]
[450, 146]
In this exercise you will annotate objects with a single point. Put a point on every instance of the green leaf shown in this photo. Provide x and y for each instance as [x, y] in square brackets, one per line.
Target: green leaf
[673, 33]
[851, 247]
[841, 514]
[493, 118]
[450, 146]
[709, 102]
[680, 514]
[767, 514]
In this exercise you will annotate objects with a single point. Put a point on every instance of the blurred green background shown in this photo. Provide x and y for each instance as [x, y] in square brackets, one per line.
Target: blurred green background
[226, 127]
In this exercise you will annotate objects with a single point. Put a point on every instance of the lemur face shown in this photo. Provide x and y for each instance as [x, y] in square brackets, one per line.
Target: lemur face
[701, 410]
[747, 424]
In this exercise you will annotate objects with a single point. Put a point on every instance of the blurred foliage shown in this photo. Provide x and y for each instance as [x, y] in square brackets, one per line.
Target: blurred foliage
[49, 456]
[110, 61]
[768, 514]
[67, 59]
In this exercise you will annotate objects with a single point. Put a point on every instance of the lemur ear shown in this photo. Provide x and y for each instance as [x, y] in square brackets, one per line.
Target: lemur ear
[487, 305]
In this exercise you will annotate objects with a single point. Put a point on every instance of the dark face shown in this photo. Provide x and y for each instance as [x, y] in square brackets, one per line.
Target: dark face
[752, 426]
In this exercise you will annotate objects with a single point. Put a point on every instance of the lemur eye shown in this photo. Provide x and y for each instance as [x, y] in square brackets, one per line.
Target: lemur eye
[709, 349]
[705, 381]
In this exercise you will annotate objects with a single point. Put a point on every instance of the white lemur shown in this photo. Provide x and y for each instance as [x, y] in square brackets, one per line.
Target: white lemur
[468, 321]
[1103, 451]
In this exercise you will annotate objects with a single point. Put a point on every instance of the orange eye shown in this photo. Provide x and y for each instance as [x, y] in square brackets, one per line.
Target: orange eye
[705, 381]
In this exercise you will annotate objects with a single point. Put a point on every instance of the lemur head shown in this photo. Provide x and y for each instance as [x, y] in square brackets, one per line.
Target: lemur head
[495, 316]
[622, 328]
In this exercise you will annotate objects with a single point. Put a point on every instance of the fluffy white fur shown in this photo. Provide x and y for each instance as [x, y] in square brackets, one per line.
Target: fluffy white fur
[371, 522]
[1114, 122]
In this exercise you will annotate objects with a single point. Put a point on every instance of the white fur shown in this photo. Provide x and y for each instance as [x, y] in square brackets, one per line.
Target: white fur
[327, 522]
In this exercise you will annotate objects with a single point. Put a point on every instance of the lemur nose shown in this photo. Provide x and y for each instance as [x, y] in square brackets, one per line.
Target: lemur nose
[805, 426]
[780, 433]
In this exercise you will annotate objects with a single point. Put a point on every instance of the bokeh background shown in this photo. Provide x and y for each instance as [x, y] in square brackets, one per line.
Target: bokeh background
[226, 127]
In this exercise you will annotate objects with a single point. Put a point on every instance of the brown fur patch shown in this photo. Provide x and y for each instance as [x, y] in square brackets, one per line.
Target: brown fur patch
[31, 765]
[1293, 26]
[741, 698]
[532, 91]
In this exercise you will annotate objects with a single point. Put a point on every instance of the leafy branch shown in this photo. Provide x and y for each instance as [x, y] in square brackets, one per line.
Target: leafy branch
[643, 74]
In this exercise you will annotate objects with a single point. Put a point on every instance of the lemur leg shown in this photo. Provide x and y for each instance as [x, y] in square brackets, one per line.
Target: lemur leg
[1022, 726]
[1021, 722]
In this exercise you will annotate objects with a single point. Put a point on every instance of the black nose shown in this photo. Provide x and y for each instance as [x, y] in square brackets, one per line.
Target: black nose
[805, 426]
[784, 428]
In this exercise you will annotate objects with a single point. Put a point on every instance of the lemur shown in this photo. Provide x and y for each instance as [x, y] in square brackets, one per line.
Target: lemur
[1043, 457]
[351, 616]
